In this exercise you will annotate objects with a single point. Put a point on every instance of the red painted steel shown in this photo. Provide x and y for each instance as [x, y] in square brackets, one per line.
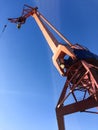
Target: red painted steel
[81, 73]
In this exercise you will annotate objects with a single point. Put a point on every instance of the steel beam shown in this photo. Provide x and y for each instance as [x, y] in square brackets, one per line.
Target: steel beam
[78, 106]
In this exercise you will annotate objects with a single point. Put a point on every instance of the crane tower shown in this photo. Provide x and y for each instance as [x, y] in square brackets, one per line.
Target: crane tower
[73, 61]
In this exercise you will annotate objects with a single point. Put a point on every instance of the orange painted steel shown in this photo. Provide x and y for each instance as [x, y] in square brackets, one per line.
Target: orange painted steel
[81, 73]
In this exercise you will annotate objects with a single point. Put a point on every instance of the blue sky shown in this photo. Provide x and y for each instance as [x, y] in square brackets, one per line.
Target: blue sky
[29, 83]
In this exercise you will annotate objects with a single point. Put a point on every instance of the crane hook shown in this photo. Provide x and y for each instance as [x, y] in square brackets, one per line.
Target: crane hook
[19, 25]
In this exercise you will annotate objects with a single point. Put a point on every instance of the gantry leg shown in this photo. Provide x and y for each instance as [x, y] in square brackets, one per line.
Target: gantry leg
[81, 77]
[60, 119]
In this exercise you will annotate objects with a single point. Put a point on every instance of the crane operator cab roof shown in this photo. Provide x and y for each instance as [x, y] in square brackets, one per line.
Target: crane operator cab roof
[82, 53]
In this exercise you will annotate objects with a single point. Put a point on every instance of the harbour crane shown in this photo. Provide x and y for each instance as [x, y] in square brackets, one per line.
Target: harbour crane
[74, 62]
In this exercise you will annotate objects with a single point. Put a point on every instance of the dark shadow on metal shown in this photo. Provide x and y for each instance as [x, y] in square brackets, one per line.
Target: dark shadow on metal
[82, 77]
